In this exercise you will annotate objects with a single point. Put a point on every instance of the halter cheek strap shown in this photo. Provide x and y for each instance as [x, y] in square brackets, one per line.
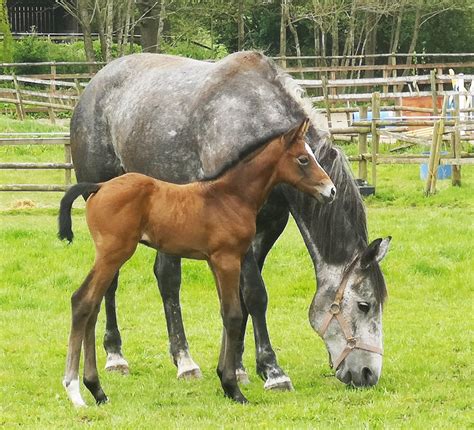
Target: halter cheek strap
[352, 343]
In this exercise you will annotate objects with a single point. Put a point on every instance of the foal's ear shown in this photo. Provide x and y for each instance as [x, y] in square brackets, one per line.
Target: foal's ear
[375, 252]
[296, 133]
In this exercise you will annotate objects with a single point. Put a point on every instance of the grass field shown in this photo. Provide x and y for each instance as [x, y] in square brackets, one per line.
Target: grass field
[427, 375]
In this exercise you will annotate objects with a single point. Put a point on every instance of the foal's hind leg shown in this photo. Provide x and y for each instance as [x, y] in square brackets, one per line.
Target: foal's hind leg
[167, 270]
[91, 375]
[112, 339]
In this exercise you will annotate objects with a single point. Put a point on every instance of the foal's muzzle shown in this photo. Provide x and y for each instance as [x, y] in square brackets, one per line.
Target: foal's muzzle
[325, 193]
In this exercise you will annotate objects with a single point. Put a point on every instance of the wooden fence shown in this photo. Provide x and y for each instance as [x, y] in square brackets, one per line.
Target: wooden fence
[444, 129]
[60, 92]
[12, 139]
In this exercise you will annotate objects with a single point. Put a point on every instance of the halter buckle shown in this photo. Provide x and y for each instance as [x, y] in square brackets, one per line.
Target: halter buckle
[335, 308]
[351, 342]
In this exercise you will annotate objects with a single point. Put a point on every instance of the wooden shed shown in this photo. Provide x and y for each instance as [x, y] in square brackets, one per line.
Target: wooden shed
[40, 16]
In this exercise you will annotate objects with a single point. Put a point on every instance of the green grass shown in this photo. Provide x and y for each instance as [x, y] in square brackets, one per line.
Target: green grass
[427, 376]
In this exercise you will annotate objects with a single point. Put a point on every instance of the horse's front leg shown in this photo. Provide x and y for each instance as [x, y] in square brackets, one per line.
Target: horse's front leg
[226, 269]
[167, 270]
[256, 300]
[112, 339]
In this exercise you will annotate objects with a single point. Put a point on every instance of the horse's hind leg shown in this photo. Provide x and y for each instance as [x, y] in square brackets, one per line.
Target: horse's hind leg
[112, 339]
[91, 376]
[168, 274]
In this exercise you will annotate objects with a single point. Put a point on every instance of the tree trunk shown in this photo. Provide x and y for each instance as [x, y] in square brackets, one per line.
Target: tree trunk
[398, 26]
[297, 45]
[371, 45]
[335, 41]
[349, 42]
[240, 26]
[126, 28]
[85, 21]
[100, 20]
[149, 11]
[414, 38]
[317, 44]
[283, 21]
[109, 30]
[161, 24]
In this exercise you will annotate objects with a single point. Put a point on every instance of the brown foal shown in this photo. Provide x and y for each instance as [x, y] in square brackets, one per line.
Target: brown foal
[212, 220]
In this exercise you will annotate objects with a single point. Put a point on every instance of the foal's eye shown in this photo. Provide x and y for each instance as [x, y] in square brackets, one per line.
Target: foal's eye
[364, 306]
[303, 160]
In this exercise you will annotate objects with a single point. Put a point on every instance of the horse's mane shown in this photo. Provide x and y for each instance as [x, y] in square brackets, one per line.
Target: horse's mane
[245, 152]
[337, 227]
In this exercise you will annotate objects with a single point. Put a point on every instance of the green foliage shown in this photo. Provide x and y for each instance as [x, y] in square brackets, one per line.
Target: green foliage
[6, 47]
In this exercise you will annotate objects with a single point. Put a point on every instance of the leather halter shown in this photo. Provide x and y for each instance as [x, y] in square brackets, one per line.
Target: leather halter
[334, 311]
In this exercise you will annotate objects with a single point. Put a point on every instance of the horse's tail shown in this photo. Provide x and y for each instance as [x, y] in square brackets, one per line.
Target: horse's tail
[64, 218]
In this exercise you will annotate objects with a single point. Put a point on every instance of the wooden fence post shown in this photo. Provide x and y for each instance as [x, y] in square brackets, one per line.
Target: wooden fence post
[434, 93]
[385, 76]
[52, 91]
[324, 83]
[375, 135]
[362, 145]
[456, 179]
[67, 159]
[21, 109]
[432, 167]
[439, 144]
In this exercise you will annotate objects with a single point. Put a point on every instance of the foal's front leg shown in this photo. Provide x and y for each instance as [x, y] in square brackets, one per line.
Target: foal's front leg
[226, 269]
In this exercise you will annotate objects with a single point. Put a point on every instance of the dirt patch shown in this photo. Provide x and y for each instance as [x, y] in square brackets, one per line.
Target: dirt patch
[23, 204]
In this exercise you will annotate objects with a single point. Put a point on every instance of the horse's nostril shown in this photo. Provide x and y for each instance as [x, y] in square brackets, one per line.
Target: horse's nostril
[366, 376]
[333, 191]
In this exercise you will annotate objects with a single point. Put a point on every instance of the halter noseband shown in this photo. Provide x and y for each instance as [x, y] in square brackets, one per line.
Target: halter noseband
[334, 311]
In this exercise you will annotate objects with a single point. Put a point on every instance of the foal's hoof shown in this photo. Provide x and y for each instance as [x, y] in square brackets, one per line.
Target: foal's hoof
[281, 383]
[242, 377]
[116, 363]
[192, 373]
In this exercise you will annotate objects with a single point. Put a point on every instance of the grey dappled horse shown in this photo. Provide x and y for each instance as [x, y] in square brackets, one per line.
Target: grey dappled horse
[181, 120]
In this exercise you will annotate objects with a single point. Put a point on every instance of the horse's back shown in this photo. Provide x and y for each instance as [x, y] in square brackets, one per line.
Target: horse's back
[175, 118]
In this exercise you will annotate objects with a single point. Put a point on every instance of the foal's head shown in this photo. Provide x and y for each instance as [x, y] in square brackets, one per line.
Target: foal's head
[298, 166]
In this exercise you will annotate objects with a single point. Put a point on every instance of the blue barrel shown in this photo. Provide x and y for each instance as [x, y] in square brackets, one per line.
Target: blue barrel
[444, 170]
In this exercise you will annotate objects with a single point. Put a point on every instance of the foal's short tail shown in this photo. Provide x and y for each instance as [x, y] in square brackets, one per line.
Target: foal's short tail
[64, 218]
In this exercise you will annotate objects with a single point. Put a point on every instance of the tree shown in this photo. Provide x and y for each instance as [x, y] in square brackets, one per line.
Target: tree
[7, 45]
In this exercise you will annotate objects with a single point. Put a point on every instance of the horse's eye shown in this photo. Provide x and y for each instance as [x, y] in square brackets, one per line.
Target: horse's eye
[303, 160]
[364, 306]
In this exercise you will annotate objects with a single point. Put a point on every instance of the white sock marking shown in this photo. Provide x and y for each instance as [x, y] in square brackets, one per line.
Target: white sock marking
[74, 393]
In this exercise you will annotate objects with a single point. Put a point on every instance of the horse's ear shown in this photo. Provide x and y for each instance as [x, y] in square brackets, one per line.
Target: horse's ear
[296, 133]
[375, 252]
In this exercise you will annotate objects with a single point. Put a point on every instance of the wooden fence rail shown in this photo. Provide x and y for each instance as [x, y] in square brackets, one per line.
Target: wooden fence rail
[12, 139]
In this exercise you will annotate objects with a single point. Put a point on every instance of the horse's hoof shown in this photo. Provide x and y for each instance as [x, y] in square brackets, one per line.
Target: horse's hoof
[116, 363]
[102, 400]
[281, 383]
[192, 373]
[242, 377]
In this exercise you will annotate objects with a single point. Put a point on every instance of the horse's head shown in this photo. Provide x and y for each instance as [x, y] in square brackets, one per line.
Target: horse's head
[298, 166]
[347, 313]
